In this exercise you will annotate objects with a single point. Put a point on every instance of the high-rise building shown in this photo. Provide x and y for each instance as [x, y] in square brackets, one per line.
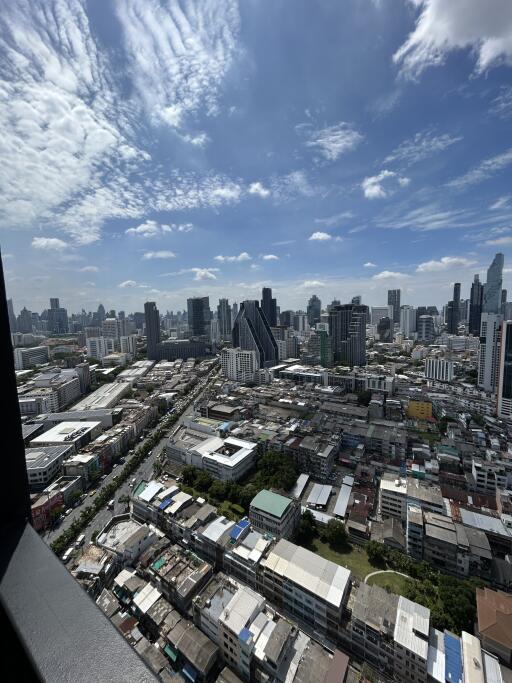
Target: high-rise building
[379, 312]
[234, 312]
[394, 300]
[426, 329]
[101, 313]
[491, 301]
[453, 311]
[488, 357]
[54, 304]
[57, 318]
[356, 300]
[504, 404]
[384, 330]
[319, 349]
[439, 369]
[407, 320]
[300, 322]
[110, 328]
[152, 329]
[24, 322]
[347, 328]
[199, 316]
[269, 306]
[224, 319]
[475, 306]
[314, 310]
[252, 332]
[286, 318]
[239, 365]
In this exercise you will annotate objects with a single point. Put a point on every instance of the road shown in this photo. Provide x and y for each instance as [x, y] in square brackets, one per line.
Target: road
[144, 471]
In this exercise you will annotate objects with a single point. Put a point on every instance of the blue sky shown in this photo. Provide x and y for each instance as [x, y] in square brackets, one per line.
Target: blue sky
[161, 149]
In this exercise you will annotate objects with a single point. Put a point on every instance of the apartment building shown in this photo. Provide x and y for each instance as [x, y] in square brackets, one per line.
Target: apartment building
[44, 464]
[411, 641]
[274, 514]
[488, 476]
[28, 358]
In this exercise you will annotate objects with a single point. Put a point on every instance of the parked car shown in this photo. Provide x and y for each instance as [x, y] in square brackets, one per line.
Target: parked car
[68, 511]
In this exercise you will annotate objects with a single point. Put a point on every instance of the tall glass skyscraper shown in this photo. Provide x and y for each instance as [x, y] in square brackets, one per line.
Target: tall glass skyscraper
[491, 302]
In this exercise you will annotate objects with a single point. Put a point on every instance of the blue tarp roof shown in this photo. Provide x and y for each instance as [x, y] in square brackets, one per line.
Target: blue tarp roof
[165, 503]
[238, 528]
[453, 658]
[244, 635]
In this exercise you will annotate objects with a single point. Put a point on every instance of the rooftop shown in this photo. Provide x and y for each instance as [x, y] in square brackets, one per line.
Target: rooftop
[270, 503]
[65, 431]
[412, 627]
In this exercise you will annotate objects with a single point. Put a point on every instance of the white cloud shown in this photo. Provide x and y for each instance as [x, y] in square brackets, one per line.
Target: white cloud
[204, 273]
[383, 185]
[332, 221]
[501, 203]
[313, 283]
[445, 263]
[162, 254]
[89, 269]
[501, 105]
[320, 236]
[390, 275]
[485, 27]
[483, 171]
[292, 184]
[500, 241]
[259, 189]
[369, 264]
[230, 192]
[179, 54]
[127, 284]
[49, 243]
[270, 257]
[332, 141]
[421, 146]
[149, 229]
[243, 256]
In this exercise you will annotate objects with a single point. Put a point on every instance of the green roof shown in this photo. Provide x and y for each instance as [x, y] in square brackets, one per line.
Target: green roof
[271, 503]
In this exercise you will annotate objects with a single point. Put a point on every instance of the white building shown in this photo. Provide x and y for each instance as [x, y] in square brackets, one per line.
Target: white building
[98, 347]
[27, 358]
[239, 365]
[44, 464]
[411, 638]
[379, 312]
[128, 344]
[407, 320]
[393, 497]
[440, 369]
[107, 396]
[490, 328]
[76, 434]
[126, 538]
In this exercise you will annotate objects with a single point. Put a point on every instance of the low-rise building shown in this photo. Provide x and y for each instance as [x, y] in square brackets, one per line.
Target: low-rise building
[274, 514]
[126, 538]
[44, 464]
[75, 434]
[494, 622]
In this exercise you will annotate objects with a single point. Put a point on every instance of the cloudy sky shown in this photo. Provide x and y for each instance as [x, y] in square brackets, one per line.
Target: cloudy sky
[154, 149]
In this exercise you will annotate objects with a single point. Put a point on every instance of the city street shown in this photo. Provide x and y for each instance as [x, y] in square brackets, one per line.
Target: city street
[144, 471]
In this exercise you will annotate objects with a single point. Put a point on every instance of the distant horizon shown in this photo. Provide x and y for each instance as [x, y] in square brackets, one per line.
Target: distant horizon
[157, 150]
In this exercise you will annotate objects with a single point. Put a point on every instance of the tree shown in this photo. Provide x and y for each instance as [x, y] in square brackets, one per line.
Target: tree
[307, 530]
[189, 474]
[218, 490]
[377, 553]
[336, 535]
[364, 397]
[203, 481]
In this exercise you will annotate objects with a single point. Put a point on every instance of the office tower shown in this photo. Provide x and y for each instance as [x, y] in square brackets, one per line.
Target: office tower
[251, 332]
[407, 320]
[101, 313]
[300, 322]
[54, 304]
[491, 301]
[426, 330]
[356, 300]
[333, 303]
[57, 318]
[475, 306]
[503, 301]
[234, 313]
[13, 324]
[139, 320]
[199, 316]
[347, 329]
[394, 300]
[318, 350]
[504, 406]
[384, 330]
[286, 318]
[152, 317]
[488, 357]
[110, 328]
[224, 319]
[439, 369]
[97, 347]
[453, 311]
[379, 312]
[314, 310]
[269, 306]
[24, 322]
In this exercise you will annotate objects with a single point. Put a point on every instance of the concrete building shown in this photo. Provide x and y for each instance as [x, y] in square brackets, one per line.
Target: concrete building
[440, 369]
[239, 365]
[251, 331]
[347, 329]
[314, 590]
[106, 396]
[494, 623]
[407, 321]
[426, 329]
[274, 514]
[504, 405]
[488, 357]
[75, 434]
[411, 641]
[44, 464]
[126, 538]
[28, 358]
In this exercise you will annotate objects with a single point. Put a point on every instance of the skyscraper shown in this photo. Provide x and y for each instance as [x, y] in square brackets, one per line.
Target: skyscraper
[57, 318]
[269, 306]
[491, 301]
[356, 300]
[488, 356]
[407, 320]
[12, 318]
[314, 310]
[394, 300]
[199, 316]
[152, 329]
[384, 330]
[426, 329]
[251, 332]
[224, 319]
[347, 329]
[234, 313]
[504, 404]
[453, 311]
[475, 306]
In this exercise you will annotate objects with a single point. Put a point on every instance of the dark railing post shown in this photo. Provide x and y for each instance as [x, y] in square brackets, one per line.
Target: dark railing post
[15, 499]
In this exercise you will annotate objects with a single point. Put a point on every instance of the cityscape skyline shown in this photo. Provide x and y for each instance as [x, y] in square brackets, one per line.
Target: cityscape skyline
[227, 163]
